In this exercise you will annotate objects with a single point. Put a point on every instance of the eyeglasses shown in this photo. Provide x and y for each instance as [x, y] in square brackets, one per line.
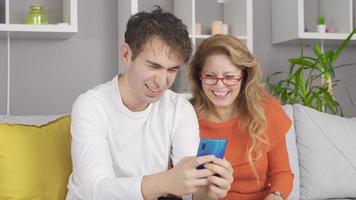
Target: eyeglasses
[226, 81]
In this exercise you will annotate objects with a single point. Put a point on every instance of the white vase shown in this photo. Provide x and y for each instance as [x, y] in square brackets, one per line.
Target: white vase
[321, 28]
[225, 29]
[216, 27]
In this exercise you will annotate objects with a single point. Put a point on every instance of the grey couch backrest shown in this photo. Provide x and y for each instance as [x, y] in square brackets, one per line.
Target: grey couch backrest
[293, 154]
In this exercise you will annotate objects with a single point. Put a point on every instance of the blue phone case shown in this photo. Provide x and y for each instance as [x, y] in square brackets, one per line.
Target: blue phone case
[212, 147]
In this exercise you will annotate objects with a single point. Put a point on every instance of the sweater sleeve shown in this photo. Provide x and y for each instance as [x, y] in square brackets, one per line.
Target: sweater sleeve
[280, 174]
[93, 173]
[279, 171]
[186, 131]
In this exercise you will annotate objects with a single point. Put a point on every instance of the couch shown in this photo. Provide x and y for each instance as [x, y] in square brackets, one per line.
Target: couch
[321, 147]
[322, 154]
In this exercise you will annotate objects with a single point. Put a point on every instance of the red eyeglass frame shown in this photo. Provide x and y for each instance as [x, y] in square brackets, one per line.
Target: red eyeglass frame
[222, 79]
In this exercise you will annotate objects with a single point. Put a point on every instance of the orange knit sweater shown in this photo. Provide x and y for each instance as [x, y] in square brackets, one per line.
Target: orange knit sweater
[273, 167]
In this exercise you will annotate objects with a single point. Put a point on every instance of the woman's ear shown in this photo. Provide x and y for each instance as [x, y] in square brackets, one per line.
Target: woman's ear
[125, 54]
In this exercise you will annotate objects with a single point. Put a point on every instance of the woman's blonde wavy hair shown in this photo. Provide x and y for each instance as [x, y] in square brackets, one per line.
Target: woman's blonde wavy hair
[248, 102]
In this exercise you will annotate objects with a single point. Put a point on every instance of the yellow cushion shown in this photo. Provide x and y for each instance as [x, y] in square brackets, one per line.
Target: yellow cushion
[35, 161]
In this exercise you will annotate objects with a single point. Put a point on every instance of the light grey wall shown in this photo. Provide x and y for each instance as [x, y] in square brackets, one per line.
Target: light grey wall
[309, 14]
[354, 8]
[3, 76]
[146, 5]
[124, 8]
[48, 75]
[348, 76]
[275, 57]
[2, 11]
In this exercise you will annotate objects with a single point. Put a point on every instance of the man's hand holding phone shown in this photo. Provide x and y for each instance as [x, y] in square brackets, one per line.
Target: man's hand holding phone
[185, 179]
[219, 184]
[214, 147]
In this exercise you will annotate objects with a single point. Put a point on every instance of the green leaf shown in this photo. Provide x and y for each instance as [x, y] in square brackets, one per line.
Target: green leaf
[345, 65]
[302, 61]
[342, 46]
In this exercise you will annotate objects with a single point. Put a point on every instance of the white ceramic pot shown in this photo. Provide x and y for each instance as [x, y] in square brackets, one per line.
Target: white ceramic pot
[321, 28]
[216, 27]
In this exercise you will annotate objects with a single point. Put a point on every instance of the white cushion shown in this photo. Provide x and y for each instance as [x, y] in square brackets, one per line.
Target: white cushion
[293, 154]
[327, 154]
[37, 120]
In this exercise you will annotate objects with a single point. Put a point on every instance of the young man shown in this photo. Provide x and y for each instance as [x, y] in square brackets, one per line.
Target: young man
[127, 131]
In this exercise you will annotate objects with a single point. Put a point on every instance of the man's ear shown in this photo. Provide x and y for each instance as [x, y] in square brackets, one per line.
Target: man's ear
[125, 54]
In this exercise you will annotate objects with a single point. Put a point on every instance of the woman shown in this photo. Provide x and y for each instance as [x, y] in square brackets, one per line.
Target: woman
[231, 103]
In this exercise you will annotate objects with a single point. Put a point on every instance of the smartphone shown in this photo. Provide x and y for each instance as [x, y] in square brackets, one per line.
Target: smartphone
[214, 147]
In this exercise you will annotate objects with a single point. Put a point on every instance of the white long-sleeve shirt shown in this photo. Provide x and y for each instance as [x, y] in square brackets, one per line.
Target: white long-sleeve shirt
[113, 147]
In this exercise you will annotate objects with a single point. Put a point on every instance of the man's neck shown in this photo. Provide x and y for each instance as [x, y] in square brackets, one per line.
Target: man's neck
[127, 98]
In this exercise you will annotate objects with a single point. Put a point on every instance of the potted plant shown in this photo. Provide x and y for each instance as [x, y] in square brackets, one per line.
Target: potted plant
[310, 80]
[321, 24]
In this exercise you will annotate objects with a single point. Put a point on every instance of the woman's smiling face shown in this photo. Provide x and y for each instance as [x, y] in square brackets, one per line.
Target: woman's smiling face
[221, 95]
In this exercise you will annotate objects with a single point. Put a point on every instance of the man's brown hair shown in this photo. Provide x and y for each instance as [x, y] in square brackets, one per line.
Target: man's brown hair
[145, 26]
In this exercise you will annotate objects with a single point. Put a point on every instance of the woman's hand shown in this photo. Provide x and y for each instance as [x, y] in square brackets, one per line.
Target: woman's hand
[220, 182]
[272, 196]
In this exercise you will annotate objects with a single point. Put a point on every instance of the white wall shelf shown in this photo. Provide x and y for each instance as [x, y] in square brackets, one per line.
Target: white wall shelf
[294, 20]
[63, 22]
[206, 36]
[236, 13]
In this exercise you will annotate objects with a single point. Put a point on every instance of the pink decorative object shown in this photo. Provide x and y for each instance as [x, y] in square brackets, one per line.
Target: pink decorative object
[330, 29]
[197, 29]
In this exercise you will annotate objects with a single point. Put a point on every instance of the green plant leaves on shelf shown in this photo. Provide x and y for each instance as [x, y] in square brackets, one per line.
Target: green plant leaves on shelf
[321, 20]
[311, 80]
